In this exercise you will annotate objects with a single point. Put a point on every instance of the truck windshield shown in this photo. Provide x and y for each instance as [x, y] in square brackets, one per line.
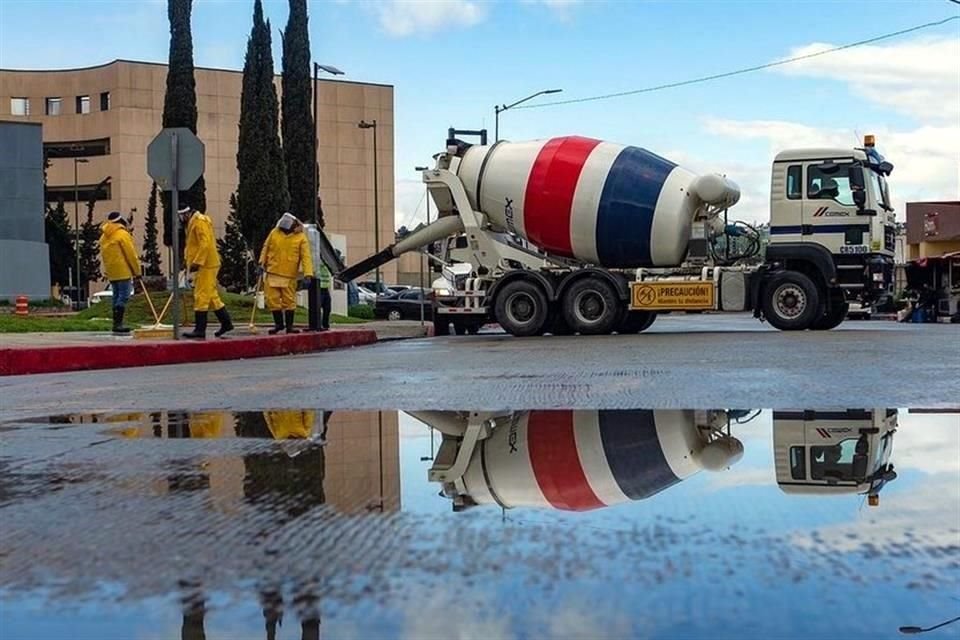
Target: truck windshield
[878, 184]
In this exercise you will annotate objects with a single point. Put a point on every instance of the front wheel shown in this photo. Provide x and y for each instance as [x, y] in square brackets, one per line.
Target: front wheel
[521, 308]
[834, 314]
[791, 301]
[394, 315]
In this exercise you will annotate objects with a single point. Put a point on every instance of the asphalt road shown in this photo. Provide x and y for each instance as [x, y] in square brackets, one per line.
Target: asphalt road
[683, 361]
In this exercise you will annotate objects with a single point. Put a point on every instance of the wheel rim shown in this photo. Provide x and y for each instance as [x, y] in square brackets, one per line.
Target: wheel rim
[393, 315]
[589, 307]
[521, 308]
[789, 301]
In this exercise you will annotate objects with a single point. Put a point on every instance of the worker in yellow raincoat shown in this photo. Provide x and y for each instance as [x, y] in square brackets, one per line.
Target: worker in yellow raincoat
[120, 265]
[285, 255]
[203, 261]
[287, 425]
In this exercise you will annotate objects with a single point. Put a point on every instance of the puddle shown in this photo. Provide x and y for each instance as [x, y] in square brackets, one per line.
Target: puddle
[610, 523]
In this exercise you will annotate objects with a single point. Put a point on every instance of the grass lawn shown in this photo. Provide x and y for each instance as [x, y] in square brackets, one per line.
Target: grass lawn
[97, 317]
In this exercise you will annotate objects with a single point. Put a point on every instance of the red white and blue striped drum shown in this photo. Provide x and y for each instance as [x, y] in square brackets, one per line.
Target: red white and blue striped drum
[582, 460]
[603, 203]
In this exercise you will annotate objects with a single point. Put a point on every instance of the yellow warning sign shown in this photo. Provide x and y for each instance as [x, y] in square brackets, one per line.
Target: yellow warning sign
[672, 295]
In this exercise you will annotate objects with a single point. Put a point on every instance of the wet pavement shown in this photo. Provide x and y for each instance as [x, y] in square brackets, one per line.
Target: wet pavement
[684, 361]
[302, 523]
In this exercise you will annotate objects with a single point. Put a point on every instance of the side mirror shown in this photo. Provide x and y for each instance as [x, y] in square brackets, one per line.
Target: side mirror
[860, 199]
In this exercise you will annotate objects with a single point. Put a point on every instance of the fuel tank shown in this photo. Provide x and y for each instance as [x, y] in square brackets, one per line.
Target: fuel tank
[603, 203]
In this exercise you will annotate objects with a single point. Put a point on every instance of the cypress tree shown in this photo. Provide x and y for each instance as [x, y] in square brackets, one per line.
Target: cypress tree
[234, 255]
[180, 102]
[150, 258]
[90, 238]
[262, 194]
[297, 123]
[59, 237]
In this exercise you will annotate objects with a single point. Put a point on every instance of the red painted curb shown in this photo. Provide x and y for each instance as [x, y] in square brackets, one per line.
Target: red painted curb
[142, 353]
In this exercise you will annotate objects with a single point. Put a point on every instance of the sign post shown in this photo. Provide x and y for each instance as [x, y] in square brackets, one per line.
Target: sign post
[175, 161]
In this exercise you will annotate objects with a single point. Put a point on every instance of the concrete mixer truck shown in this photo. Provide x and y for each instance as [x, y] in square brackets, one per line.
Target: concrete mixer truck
[576, 235]
[584, 460]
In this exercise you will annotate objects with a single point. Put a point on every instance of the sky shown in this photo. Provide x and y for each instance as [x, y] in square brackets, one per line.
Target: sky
[451, 61]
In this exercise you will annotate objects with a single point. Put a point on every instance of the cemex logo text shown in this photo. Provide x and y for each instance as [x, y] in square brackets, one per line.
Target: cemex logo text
[824, 212]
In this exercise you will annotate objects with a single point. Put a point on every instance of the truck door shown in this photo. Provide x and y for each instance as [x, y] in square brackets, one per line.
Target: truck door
[829, 210]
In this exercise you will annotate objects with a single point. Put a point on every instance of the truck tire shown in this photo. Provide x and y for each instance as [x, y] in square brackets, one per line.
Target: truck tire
[636, 322]
[521, 308]
[557, 326]
[834, 311]
[591, 306]
[459, 328]
[441, 326]
[791, 301]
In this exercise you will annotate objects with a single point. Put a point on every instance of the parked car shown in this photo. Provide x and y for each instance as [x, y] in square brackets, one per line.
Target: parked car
[365, 296]
[371, 285]
[404, 306]
[397, 288]
[101, 296]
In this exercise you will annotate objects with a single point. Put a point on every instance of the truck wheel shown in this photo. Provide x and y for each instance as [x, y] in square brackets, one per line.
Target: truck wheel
[558, 326]
[791, 301]
[459, 328]
[521, 308]
[474, 329]
[441, 327]
[591, 306]
[637, 321]
[833, 314]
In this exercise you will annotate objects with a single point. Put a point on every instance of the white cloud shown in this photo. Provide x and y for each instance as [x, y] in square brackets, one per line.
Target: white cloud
[560, 8]
[920, 78]
[409, 206]
[410, 17]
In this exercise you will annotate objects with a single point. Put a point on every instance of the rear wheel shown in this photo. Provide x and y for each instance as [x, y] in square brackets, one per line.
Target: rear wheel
[591, 306]
[394, 315]
[637, 321]
[791, 301]
[521, 308]
[558, 326]
[459, 328]
[441, 326]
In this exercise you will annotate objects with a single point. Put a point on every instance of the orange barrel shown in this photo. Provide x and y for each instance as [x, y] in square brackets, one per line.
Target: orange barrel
[21, 309]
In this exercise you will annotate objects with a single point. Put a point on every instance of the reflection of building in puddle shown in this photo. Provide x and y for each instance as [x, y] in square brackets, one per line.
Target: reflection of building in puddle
[348, 460]
[582, 460]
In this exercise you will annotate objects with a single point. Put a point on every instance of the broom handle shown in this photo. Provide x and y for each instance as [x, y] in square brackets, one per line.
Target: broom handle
[146, 294]
[256, 290]
[163, 311]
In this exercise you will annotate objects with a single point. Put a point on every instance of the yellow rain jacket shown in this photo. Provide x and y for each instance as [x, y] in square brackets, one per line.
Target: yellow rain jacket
[201, 248]
[286, 425]
[286, 254]
[117, 253]
[207, 424]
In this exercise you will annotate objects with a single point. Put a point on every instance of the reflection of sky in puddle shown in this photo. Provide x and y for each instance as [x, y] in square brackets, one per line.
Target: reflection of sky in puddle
[723, 553]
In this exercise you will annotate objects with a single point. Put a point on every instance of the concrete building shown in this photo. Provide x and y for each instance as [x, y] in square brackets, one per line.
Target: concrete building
[106, 115]
[933, 251]
[24, 261]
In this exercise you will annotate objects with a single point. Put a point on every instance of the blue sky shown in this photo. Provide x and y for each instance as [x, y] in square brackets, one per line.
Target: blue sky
[452, 60]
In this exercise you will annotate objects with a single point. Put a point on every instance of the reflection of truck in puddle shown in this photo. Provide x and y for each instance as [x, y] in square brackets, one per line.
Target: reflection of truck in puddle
[831, 452]
[582, 460]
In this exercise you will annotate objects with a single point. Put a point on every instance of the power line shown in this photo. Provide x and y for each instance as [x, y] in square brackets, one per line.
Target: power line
[727, 74]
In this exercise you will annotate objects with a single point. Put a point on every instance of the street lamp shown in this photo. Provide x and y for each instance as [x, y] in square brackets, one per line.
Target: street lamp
[497, 109]
[372, 125]
[76, 221]
[313, 294]
[422, 296]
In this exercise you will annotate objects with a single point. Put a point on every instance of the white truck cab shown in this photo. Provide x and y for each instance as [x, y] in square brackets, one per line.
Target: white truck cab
[834, 452]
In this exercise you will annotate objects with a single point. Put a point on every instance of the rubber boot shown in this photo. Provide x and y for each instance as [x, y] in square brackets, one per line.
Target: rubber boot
[226, 324]
[277, 323]
[118, 321]
[199, 326]
[288, 318]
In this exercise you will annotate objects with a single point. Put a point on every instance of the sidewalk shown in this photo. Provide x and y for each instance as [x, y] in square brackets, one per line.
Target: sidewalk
[28, 353]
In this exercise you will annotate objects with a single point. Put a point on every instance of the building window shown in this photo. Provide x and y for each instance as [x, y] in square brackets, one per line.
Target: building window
[19, 106]
[105, 101]
[77, 148]
[53, 106]
[83, 104]
[84, 191]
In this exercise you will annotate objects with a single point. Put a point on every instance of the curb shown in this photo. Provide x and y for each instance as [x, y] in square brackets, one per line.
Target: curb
[30, 360]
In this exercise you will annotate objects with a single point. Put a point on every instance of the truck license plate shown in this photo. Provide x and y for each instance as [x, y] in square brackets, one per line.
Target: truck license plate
[672, 295]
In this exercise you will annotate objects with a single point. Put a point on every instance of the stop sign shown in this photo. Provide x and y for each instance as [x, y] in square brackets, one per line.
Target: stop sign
[175, 157]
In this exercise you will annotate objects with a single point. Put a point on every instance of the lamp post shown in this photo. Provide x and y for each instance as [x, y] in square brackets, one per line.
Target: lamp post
[372, 125]
[313, 293]
[76, 220]
[497, 109]
[422, 296]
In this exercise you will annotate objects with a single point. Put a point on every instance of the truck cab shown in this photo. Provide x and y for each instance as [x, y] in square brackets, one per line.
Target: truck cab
[834, 452]
[831, 218]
